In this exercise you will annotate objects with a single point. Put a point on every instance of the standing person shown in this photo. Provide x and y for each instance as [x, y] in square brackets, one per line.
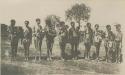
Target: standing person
[27, 40]
[74, 40]
[39, 36]
[63, 38]
[50, 35]
[109, 43]
[13, 35]
[97, 40]
[88, 40]
[118, 43]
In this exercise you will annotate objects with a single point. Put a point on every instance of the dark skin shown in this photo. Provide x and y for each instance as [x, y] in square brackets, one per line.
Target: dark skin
[50, 41]
[27, 40]
[74, 40]
[63, 39]
[14, 39]
[88, 44]
[118, 46]
[39, 40]
[97, 45]
[109, 39]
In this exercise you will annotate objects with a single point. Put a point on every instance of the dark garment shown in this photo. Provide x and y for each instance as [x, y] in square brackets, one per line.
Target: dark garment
[14, 46]
[97, 45]
[87, 50]
[74, 40]
[74, 50]
[74, 35]
[13, 35]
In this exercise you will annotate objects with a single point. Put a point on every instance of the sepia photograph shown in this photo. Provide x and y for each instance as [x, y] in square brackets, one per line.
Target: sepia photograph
[62, 37]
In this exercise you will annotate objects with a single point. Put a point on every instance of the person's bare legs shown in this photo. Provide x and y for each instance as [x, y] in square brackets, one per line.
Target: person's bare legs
[106, 53]
[76, 51]
[40, 44]
[48, 50]
[72, 50]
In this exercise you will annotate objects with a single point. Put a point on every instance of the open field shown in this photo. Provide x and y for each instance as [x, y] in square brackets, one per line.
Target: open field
[56, 66]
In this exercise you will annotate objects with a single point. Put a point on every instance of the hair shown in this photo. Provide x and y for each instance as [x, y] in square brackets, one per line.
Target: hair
[107, 26]
[12, 20]
[26, 21]
[118, 25]
[38, 19]
[96, 25]
[48, 22]
[72, 22]
[88, 24]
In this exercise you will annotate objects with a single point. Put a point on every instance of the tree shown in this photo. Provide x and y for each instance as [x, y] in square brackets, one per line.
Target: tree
[78, 12]
[52, 20]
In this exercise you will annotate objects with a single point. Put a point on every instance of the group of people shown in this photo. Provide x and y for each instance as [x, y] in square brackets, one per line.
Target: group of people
[72, 35]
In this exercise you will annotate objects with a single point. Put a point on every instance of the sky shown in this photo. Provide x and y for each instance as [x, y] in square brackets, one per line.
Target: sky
[103, 12]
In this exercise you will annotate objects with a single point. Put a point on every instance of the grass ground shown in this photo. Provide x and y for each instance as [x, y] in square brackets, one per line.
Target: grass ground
[56, 66]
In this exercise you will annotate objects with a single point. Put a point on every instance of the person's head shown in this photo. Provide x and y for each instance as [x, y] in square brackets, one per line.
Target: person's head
[26, 23]
[13, 22]
[96, 26]
[72, 24]
[118, 27]
[88, 25]
[38, 21]
[108, 27]
[62, 23]
[66, 26]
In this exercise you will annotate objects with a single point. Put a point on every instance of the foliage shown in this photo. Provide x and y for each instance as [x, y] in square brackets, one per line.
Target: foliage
[78, 12]
[52, 20]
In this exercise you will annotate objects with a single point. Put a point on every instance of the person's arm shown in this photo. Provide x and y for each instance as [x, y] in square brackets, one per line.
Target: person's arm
[92, 36]
[121, 41]
[30, 35]
[22, 36]
[113, 34]
[9, 33]
[69, 33]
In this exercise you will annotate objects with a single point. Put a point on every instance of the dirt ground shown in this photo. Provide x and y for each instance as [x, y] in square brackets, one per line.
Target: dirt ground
[54, 67]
